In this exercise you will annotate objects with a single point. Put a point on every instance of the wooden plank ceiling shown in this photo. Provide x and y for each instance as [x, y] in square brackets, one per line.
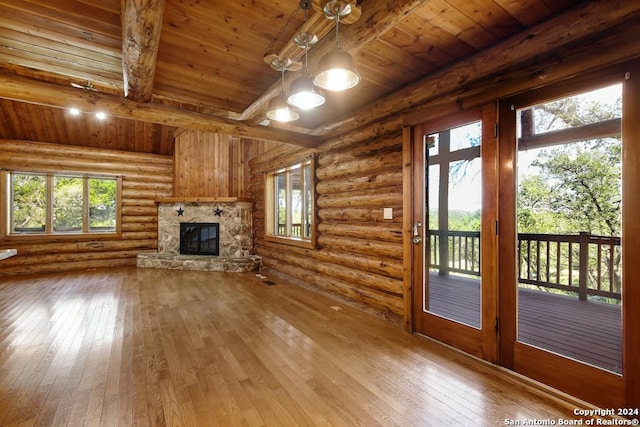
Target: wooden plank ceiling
[209, 63]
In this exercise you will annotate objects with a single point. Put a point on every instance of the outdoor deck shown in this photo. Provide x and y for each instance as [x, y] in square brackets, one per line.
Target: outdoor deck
[588, 331]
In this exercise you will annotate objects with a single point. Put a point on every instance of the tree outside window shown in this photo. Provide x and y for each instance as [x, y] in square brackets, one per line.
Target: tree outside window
[62, 204]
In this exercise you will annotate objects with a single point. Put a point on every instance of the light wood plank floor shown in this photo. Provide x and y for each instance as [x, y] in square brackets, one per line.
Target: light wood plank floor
[156, 347]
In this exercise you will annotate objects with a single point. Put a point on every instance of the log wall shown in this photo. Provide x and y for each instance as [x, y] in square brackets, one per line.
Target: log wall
[145, 178]
[209, 164]
[359, 254]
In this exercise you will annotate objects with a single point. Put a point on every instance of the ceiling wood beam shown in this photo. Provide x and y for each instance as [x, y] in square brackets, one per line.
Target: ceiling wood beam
[572, 26]
[141, 27]
[32, 91]
[378, 16]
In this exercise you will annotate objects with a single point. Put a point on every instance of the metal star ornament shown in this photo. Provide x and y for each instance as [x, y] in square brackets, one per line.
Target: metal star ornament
[180, 211]
[217, 211]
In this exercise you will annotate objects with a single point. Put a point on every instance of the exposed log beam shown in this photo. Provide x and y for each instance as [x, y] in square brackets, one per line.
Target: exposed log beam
[32, 91]
[576, 24]
[141, 26]
[378, 16]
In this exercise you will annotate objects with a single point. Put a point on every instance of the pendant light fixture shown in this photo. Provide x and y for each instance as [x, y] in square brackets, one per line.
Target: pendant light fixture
[302, 92]
[337, 69]
[279, 109]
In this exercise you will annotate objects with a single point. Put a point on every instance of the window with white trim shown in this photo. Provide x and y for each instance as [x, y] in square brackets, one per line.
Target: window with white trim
[290, 202]
[61, 204]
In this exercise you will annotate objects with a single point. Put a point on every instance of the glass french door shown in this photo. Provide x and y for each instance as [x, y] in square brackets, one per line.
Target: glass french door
[452, 237]
[525, 239]
[566, 189]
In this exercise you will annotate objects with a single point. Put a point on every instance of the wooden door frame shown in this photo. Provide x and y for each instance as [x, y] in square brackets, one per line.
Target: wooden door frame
[586, 382]
[479, 342]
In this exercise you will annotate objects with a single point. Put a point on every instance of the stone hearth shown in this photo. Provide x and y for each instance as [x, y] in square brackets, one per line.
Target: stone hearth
[236, 239]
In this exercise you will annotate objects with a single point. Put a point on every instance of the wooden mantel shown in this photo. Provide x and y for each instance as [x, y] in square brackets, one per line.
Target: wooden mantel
[202, 200]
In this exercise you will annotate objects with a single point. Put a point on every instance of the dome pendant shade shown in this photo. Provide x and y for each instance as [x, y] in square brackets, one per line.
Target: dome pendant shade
[337, 72]
[303, 94]
[280, 111]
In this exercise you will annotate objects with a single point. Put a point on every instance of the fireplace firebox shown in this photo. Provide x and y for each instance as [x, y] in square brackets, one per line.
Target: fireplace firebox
[201, 238]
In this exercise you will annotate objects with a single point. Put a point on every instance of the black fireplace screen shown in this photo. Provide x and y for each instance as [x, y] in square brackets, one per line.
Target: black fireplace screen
[199, 238]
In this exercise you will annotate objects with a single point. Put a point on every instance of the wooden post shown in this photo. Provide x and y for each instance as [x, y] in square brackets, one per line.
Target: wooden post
[443, 203]
[583, 266]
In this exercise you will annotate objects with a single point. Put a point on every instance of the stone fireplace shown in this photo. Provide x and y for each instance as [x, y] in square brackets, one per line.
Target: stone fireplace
[231, 218]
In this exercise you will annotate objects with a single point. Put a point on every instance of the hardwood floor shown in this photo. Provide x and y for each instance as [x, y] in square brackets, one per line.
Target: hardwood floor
[160, 347]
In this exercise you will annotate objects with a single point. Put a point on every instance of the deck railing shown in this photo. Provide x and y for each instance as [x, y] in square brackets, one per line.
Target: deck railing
[584, 264]
[460, 255]
[296, 229]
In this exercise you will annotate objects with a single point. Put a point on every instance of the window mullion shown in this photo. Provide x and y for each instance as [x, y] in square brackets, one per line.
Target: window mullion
[85, 204]
[48, 228]
[289, 201]
[305, 214]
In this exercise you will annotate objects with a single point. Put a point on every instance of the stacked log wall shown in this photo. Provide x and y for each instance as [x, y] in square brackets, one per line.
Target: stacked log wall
[359, 255]
[145, 178]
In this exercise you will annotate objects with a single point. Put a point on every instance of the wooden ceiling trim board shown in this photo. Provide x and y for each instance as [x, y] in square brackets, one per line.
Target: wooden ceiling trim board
[204, 92]
[189, 54]
[444, 44]
[389, 59]
[416, 45]
[236, 16]
[527, 12]
[214, 40]
[51, 54]
[72, 15]
[60, 69]
[489, 15]
[53, 95]
[51, 77]
[207, 28]
[188, 104]
[141, 29]
[457, 24]
[50, 30]
[376, 82]
[378, 16]
[573, 25]
[29, 42]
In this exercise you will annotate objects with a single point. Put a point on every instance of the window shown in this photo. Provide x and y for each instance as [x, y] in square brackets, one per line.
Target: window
[61, 204]
[290, 199]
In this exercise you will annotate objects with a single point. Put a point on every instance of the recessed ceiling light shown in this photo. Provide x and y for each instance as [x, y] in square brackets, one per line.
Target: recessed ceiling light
[74, 111]
[100, 115]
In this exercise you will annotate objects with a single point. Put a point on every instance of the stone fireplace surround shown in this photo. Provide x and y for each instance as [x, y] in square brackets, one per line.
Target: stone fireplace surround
[235, 217]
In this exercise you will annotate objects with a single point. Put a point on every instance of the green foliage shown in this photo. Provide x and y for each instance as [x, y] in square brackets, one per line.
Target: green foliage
[584, 186]
[464, 220]
[29, 202]
[102, 203]
[67, 203]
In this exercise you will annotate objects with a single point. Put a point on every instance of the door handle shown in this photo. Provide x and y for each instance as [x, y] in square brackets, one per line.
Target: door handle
[416, 233]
